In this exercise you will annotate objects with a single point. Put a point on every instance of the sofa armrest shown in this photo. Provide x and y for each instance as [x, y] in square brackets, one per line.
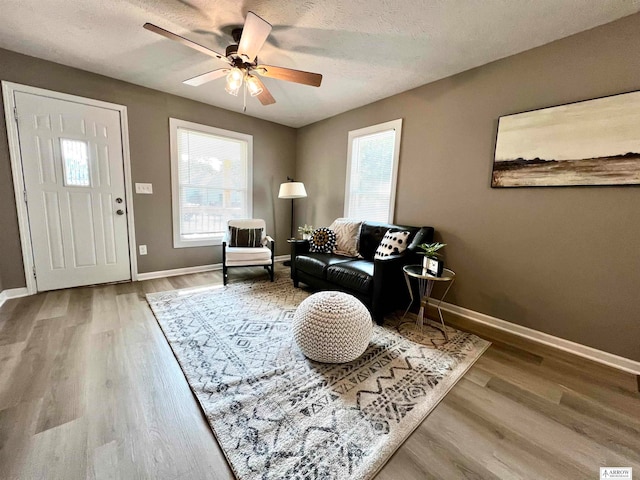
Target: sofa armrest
[389, 259]
[424, 235]
[298, 247]
[268, 242]
[390, 264]
[389, 287]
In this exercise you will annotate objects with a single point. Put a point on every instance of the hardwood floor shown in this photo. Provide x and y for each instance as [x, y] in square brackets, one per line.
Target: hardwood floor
[89, 388]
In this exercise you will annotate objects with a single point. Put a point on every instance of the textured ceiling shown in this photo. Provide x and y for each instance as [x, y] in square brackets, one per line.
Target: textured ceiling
[365, 49]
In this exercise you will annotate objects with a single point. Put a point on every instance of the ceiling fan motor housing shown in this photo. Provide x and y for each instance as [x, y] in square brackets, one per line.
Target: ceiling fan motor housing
[232, 51]
[236, 34]
[237, 61]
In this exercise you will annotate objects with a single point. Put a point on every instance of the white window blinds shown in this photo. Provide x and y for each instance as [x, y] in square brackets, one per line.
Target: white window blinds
[212, 185]
[372, 171]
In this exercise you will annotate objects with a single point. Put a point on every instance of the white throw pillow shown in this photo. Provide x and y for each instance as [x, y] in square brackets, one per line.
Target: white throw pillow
[393, 243]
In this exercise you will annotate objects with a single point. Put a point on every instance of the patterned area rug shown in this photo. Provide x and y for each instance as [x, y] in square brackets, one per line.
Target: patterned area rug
[278, 415]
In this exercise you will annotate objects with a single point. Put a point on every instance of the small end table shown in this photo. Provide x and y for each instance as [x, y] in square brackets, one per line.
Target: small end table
[292, 242]
[425, 286]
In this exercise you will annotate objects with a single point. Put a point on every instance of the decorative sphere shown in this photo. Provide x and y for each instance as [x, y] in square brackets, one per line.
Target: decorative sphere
[332, 327]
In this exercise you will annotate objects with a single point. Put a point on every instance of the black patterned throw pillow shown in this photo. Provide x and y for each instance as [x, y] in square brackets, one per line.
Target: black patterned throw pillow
[393, 243]
[323, 240]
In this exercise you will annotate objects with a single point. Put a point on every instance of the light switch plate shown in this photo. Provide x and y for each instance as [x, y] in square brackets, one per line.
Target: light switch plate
[146, 188]
[142, 249]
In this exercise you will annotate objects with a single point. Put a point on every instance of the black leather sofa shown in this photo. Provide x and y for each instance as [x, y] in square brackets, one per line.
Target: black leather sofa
[379, 284]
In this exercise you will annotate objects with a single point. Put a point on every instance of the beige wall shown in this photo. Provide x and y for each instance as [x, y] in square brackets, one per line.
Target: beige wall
[149, 112]
[565, 261]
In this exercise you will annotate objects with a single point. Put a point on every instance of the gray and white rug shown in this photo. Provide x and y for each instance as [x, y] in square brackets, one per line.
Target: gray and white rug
[278, 415]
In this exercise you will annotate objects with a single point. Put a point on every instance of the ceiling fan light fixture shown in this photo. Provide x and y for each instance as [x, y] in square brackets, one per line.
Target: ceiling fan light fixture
[253, 84]
[234, 81]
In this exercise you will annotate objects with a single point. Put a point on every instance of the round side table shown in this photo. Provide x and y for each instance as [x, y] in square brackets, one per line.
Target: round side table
[425, 286]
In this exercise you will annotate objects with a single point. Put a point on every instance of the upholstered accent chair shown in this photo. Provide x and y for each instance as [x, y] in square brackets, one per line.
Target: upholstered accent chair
[247, 245]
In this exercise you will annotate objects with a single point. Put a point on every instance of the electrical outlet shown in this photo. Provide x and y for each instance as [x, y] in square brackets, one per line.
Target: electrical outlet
[142, 249]
[146, 188]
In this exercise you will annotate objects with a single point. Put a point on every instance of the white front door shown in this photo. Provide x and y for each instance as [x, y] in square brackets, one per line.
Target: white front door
[74, 181]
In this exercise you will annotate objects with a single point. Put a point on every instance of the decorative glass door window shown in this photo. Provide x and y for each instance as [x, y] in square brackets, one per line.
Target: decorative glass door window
[75, 162]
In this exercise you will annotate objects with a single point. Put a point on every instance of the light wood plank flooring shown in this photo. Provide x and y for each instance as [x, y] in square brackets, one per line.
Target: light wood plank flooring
[89, 388]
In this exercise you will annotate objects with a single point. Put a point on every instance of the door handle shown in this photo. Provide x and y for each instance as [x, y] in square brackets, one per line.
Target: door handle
[120, 212]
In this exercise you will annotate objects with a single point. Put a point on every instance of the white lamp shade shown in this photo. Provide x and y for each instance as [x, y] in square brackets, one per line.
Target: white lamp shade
[292, 190]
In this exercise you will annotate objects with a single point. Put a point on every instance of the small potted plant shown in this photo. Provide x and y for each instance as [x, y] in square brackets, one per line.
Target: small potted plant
[306, 231]
[430, 251]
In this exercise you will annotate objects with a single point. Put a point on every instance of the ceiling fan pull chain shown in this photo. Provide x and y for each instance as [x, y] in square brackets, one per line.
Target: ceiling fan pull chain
[244, 106]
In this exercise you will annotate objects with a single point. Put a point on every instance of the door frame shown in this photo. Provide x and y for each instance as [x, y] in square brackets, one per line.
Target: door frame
[8, 90]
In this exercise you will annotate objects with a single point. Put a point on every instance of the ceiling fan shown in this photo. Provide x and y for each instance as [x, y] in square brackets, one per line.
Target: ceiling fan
[242, 61]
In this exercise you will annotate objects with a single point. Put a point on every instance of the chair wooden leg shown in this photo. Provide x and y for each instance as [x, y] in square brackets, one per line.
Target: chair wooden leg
[273, 260]
[269, 269]
[225, 277]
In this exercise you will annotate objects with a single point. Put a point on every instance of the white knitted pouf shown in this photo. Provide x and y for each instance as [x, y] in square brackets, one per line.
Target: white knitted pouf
[332, 327]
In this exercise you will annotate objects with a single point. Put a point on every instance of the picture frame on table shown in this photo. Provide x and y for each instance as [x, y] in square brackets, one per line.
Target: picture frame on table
[434, 266]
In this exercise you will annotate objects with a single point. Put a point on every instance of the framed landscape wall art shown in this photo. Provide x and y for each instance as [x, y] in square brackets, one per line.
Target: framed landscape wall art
[594, 142]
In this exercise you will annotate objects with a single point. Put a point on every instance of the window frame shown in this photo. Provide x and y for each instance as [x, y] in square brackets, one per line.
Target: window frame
[395, 125]
[174, 125]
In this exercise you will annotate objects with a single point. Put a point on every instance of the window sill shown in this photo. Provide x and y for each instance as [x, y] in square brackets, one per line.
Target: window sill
[204, 242]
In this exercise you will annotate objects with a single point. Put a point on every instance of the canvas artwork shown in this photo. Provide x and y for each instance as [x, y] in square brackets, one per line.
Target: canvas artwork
[595, 142]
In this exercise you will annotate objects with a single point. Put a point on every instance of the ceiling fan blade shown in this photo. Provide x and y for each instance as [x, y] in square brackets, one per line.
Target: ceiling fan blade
[254, 34]
[196, 46]
[290, 75]
[206, 77]
[265, 96]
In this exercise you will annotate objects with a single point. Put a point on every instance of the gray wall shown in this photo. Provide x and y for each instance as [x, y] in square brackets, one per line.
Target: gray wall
[560, 260]
[149, 112]
[565, 261]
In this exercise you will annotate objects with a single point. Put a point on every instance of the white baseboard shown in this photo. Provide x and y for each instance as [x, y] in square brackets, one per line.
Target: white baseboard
[605, 358]
[13, 293]
[187, 270]
[179, 271]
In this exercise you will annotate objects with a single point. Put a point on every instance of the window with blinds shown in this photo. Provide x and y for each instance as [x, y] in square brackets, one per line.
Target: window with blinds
[372, 170]
[211, 181]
